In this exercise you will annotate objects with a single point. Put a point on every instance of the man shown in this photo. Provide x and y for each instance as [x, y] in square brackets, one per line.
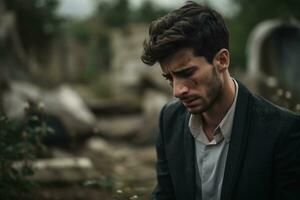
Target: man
[217, 141]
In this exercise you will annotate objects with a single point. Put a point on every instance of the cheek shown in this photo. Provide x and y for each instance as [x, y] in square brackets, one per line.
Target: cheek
[199, 80]
[195, 82]
[201, 83]
[197, 86]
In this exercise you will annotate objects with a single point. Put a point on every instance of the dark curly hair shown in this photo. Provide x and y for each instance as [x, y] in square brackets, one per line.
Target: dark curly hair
[194, 26]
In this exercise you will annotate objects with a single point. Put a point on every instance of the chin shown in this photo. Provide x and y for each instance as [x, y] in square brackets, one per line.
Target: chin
[198, 109]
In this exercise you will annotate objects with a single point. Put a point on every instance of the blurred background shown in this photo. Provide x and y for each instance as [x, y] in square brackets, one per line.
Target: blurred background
[76, 65]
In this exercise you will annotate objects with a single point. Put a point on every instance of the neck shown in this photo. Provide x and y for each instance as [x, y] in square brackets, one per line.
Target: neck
[214, 116]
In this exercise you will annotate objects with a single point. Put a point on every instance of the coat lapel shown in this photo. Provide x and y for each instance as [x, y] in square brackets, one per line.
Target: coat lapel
[238, 142]
[189, 149]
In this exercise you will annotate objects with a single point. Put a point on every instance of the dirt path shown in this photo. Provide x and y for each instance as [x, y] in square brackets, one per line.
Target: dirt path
[124, 172]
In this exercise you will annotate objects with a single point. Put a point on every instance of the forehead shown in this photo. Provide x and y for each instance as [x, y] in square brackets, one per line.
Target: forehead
[178, 59]
[183, 58]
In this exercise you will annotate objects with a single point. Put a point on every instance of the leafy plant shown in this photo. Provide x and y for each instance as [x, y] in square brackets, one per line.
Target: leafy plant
[20, 140]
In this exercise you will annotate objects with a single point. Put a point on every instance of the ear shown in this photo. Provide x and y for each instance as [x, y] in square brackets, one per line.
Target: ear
[222, 60]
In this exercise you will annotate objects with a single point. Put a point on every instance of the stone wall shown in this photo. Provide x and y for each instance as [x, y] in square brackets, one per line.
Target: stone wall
[273, 57]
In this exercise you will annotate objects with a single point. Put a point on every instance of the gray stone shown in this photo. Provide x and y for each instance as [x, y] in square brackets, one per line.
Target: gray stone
[119, 127]
[153, 101]
[129, 163]
[16, 99]
[63, 103]
[129, 73]
[273, 56]
[65, 170]
[66, 103]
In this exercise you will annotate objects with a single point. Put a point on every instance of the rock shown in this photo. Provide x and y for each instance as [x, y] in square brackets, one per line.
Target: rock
[68, 105]
[119, 127]
[62, 107]
[63, 170]
[129, 73]
[130, 162]
[273, 56]
[16, 98]
[140, 128]
[98, 145]
[153, 101]
[114, 107]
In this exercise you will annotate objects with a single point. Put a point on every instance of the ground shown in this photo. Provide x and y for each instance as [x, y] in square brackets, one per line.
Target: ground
[125, 172]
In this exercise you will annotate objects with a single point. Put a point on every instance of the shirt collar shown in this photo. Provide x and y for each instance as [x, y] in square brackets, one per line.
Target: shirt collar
[223, 130]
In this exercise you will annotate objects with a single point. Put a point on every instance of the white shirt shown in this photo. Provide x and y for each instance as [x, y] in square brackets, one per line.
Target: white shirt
[211, 155]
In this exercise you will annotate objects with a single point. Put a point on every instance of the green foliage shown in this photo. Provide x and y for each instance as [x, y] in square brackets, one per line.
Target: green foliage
[147, 12]
[95, 33]
[104, 49]
[251, 13]
[36, 20]
[118, 13]
[81, 32]
[100, 56]
[114, 14]
[19, 143]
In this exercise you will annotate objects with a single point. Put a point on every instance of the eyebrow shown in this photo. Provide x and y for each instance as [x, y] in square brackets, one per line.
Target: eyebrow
[178, 71]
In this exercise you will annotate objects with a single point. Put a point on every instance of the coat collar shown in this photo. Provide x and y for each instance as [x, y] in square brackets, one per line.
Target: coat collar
[236, 149]
[189, 149]
[238, 143]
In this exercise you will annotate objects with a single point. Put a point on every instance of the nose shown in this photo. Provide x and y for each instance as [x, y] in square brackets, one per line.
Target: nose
[179, 88]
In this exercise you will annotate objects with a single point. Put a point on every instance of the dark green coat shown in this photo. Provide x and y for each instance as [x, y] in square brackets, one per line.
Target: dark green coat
[263, 161]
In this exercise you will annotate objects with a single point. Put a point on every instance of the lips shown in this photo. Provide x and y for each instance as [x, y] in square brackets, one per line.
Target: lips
[190, 102]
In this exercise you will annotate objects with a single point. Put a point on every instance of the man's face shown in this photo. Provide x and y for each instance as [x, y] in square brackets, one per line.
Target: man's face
[195, 82]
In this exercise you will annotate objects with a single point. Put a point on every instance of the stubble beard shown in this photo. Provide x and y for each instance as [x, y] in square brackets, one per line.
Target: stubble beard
[214, 93]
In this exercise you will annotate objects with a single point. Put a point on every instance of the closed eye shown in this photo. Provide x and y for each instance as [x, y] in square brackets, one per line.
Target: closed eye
[185, 73]
[169, 78]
